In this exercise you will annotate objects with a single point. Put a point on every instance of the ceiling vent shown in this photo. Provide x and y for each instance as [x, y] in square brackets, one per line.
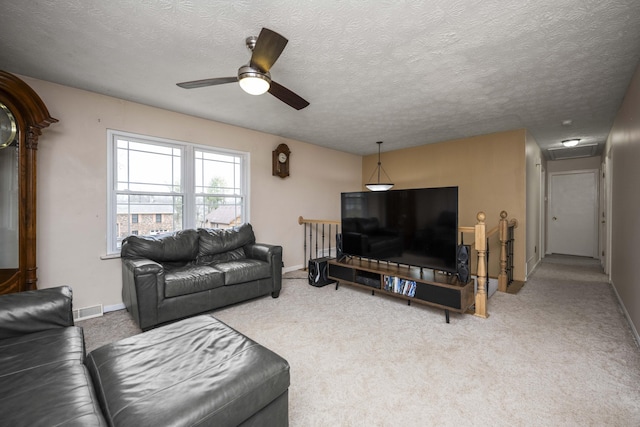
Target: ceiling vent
[562, 153]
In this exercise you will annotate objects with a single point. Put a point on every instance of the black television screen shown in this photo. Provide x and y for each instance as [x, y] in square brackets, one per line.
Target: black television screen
[417, 227]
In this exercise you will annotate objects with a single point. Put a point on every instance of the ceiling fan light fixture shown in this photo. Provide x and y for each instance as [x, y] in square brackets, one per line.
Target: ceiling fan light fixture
[570, 142]
[254, 85]
[379, 186]
[254, 77]
[253, 81]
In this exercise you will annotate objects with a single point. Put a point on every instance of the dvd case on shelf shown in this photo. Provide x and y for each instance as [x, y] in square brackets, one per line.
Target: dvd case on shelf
[401, 286]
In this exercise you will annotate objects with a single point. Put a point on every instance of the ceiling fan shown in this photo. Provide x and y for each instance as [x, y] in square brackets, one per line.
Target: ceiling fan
[255, 78]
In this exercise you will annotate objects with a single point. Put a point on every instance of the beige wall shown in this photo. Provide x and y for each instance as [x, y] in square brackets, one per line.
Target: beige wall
[72, 159]
[72, 183]
[489, 171]
[623, 151]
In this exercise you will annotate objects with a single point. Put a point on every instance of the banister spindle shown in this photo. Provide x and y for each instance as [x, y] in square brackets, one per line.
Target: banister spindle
[502, 276]
[310, 240]
[481, 242]
[322, 239]
[304, 251]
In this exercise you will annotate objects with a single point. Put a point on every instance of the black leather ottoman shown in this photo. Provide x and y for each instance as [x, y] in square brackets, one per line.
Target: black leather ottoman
[196, 372]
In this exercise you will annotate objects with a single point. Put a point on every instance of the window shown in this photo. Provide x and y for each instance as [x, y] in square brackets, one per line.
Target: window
[158, 185]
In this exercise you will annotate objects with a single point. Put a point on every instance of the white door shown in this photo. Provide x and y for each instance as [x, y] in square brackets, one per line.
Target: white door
[573, 213]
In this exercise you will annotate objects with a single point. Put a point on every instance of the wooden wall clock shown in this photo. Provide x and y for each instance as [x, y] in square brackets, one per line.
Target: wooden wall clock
[281, 157]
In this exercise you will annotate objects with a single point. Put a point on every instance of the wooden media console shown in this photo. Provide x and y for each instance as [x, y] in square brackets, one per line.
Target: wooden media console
[421, 285]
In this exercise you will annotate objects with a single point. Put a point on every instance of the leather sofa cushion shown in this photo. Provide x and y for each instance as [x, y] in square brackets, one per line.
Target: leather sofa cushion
[43, 380]
[192, 279]
[235, 254]
[23, 313]
[244, 270]
[173, 247]
[198, 371]
[39, 348]
[213, 241]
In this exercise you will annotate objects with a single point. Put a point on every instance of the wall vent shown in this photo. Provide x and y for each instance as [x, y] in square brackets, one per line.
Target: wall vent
[562, 153]
[87, 312]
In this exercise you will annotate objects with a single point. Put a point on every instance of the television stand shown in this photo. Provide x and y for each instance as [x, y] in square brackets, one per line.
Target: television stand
[423, 286]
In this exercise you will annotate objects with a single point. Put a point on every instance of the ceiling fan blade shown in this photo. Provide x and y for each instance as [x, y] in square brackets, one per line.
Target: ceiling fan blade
[286, 96]
[207, 82]
[267, 49]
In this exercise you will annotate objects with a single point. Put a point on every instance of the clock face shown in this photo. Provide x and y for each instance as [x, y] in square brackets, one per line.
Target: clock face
[8, 128]
[282, 157]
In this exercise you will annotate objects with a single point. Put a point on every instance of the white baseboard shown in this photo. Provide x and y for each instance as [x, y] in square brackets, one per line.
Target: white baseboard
[115, 307]
[293, 268]
[634, 331]
[530, 272]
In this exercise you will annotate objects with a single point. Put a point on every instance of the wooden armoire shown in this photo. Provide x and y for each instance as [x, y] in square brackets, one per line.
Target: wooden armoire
[23, 115]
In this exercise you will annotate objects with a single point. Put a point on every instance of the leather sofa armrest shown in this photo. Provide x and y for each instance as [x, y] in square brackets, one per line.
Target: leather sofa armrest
[139, 266]
[142, 289]
[34, 311]
[263, 251]
[271, 254]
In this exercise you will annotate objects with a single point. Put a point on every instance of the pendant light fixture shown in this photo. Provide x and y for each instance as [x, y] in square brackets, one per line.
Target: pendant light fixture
[379, 186]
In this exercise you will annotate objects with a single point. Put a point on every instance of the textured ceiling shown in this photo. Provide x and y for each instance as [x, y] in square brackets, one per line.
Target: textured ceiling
[404, 72]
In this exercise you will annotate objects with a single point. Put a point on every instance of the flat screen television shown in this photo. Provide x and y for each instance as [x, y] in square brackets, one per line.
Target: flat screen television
[416, 227]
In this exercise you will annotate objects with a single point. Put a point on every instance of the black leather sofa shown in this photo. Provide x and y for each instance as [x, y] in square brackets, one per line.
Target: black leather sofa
[179, 274]
[196, 372]
[43, 379]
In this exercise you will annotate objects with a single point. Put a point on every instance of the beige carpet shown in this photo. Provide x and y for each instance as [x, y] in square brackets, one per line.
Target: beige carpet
[560, 352]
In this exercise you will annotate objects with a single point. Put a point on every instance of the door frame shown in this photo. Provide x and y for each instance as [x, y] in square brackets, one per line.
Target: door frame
[596, 208]
[542, 250]
[607, 176]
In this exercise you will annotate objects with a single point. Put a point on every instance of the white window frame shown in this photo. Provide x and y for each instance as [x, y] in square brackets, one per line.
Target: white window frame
[187, 179]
